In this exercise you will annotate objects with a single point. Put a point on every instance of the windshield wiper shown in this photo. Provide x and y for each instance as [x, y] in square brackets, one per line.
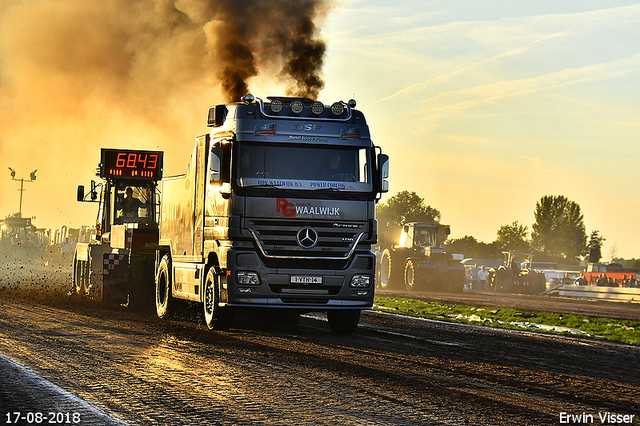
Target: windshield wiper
[347, 194]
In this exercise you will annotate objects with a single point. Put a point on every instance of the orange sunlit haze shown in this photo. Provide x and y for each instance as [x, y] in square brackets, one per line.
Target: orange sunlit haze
[483, 107]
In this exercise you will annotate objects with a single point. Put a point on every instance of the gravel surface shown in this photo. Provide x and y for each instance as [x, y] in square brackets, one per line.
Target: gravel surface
[133, 367]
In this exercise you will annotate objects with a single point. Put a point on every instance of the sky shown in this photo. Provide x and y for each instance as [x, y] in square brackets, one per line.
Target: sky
[483, 106]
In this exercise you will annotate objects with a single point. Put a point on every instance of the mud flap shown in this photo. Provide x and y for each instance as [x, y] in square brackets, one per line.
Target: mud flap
[115, 268]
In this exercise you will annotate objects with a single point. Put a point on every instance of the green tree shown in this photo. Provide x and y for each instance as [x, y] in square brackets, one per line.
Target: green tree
[399, 209]
[513, 237]
[470, 247]
[559, 232]
[595, 246]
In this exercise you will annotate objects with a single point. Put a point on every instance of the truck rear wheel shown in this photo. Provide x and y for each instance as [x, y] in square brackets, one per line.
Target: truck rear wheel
[216, 317]
[164, 299]
[343, 321]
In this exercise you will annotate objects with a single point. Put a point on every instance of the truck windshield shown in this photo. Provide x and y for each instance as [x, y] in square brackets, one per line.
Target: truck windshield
[304, 167]
[133, 204]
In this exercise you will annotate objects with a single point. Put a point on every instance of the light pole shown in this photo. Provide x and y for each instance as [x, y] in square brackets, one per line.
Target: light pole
[22, 181]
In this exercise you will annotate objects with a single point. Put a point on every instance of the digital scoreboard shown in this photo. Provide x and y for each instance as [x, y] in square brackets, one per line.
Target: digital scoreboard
[131, 164]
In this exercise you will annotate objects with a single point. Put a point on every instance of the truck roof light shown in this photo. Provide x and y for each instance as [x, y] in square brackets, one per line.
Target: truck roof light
[297, 107]
[317, 108]
[337, 108]
[276, 106]
[248, 99]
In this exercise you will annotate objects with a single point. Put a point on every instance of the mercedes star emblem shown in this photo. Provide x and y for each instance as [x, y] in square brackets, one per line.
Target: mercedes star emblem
[307, 237]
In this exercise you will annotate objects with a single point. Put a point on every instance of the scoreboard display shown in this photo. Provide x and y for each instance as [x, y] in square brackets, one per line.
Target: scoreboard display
[131, 164]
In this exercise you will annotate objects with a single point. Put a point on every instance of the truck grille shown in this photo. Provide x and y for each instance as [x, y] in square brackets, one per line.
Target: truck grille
[280, 239]
[305, 300]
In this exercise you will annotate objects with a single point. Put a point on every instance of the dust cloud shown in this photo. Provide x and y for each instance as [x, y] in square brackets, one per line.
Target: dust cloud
[77, 75]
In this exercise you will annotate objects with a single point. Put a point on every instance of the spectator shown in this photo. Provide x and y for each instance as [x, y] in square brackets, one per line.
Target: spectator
[474, 277]
[482, 279]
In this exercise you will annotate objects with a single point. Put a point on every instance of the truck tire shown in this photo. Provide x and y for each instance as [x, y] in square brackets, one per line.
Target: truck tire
[410, 276]
[215, 317]
[343, 321]
[165, 305]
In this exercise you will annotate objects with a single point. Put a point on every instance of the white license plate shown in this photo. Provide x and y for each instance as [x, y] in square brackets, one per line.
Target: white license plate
[305, 280]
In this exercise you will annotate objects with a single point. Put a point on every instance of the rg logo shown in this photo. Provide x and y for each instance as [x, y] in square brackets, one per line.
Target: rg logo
[285, 207]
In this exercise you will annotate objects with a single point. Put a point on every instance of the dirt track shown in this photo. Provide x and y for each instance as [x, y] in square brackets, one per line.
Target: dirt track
[142, 370]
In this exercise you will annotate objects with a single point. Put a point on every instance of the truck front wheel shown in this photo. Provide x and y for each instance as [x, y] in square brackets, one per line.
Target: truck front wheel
[343, 321]
[216, 317]
[164, 298]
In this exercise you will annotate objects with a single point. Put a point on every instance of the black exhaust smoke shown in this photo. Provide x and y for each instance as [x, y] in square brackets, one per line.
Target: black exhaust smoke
[250, 35]
[137, 53]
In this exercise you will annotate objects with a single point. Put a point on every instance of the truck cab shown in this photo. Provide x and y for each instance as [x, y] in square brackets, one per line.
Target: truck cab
[276, 210]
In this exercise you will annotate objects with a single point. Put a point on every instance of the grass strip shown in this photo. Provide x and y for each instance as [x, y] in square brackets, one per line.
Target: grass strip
[623, 331]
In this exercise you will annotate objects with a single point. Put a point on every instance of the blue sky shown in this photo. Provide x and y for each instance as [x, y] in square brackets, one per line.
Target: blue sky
[485, 107]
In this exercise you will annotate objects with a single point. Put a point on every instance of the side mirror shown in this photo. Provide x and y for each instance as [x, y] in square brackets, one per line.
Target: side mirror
[94, 193]
[214, 169]
[219, 163]
[80, 194]
[383, 171]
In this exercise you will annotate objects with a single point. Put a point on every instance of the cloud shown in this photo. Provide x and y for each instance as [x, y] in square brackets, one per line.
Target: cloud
[530, 35]
[456, 100]
[442, 78]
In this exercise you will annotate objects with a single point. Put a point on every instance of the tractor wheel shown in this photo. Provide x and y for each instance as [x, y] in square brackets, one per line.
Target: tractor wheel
[77, 276]
[391, 269]
[410, 276]
[81, 270]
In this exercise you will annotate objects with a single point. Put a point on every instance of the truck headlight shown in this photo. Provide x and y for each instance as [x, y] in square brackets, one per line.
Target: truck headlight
[360, 281]
[247, 277]
[337, 109]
